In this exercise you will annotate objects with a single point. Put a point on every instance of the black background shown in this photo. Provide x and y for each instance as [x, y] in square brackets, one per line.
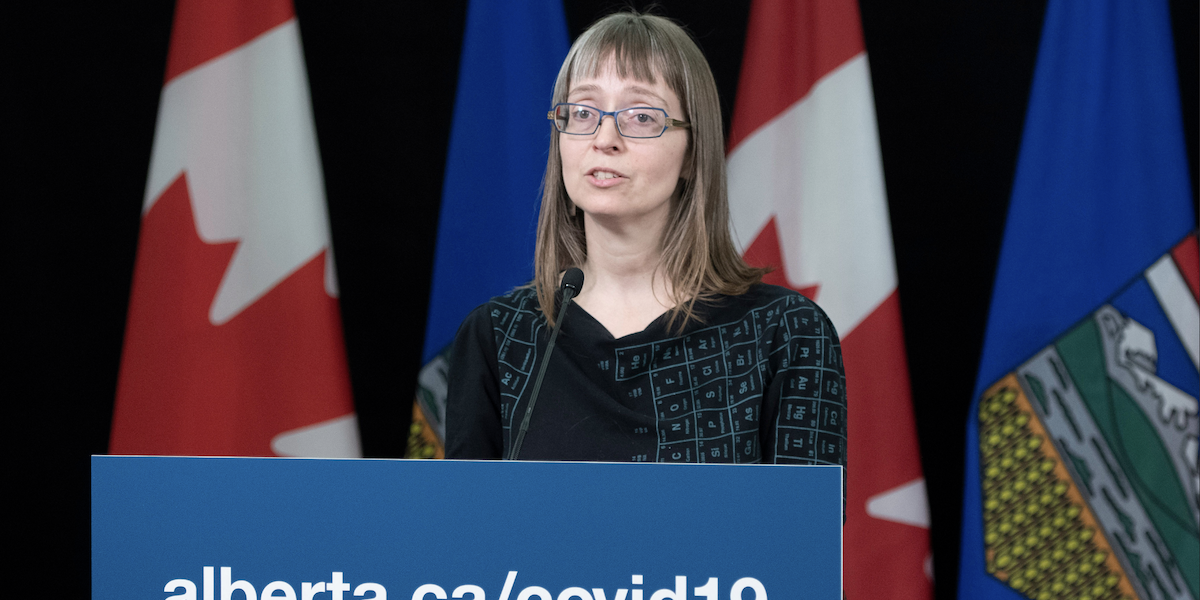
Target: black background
[81, 85]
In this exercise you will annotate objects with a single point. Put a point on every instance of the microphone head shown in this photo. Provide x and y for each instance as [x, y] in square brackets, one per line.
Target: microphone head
[573, 279]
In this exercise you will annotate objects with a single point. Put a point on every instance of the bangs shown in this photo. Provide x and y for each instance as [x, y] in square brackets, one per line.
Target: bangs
[637, 48]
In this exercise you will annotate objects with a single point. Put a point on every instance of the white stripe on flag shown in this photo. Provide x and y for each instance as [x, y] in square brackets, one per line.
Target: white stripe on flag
[817, 168]
[241, 125]
[335, 438]
[902, 504]
[1177, 301]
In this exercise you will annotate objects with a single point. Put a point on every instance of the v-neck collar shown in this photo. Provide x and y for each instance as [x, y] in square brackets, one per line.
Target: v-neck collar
[582, 318]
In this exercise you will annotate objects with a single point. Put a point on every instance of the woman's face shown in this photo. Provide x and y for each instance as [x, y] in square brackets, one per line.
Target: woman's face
[611, 176]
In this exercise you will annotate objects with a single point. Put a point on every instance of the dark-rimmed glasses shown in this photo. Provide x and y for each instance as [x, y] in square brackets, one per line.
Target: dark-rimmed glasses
[636, 122]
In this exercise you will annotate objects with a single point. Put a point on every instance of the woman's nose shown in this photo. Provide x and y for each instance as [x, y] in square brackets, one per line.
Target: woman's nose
[607, 135]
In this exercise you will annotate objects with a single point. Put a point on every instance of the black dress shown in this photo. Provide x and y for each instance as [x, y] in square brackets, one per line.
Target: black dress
[758, 378]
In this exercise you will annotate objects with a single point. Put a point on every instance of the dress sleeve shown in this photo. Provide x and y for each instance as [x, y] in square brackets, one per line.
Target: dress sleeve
[473, 426]
[808, 391]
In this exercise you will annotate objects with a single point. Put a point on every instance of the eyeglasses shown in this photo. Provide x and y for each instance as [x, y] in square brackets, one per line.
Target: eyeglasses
[637, 122]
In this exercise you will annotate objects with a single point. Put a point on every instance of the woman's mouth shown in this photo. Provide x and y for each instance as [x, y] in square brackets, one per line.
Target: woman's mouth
[603, 178]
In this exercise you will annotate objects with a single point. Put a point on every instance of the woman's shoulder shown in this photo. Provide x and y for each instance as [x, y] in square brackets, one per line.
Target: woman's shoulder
[522, 297]
[760, 295]
[520, 300]
[775, 299]
[770, 293]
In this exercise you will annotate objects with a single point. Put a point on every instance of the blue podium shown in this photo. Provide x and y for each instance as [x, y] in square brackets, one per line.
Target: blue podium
[309, 529]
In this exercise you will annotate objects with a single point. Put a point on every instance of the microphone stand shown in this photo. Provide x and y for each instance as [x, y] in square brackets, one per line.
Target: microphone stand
[571, 283]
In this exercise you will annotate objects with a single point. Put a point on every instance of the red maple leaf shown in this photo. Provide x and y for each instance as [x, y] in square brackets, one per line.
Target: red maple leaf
[189, 387]
[764, 251]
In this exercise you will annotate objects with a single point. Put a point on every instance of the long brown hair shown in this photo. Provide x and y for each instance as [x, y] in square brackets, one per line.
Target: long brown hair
[698, 254]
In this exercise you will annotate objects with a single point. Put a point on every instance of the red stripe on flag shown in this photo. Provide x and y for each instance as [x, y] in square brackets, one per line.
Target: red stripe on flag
[1187, 258]
[188, 387]
[789, 46]
[206, 29]
[883, 559]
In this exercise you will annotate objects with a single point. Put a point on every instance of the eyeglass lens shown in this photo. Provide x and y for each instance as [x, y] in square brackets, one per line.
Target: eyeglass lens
[631, 122]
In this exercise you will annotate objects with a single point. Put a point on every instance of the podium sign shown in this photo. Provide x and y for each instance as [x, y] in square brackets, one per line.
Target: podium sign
[258, 528]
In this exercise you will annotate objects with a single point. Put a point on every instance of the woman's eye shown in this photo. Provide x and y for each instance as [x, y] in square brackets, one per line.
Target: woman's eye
[582, 114]
[642, 117]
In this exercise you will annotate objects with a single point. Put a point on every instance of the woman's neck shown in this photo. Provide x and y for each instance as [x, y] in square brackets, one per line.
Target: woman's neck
[624, 287]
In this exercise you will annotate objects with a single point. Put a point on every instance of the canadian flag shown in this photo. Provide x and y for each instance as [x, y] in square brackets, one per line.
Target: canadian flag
[806, 192]
[233, 343]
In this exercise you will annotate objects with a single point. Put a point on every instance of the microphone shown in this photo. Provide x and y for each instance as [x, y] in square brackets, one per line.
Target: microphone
[572, 281]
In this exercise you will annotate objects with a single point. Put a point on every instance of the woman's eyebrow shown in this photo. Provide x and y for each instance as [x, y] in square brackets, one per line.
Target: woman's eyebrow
[637, 89]
[587, 87]
[634, 89]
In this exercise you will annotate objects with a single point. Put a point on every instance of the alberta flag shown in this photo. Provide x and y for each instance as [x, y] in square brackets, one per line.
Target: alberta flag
[233, 344]
[1081, 477]
[498, 143]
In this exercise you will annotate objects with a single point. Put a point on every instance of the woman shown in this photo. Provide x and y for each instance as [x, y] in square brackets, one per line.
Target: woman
[673, 350]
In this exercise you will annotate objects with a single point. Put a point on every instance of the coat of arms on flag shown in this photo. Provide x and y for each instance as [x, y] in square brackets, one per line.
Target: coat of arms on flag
[1088, 450]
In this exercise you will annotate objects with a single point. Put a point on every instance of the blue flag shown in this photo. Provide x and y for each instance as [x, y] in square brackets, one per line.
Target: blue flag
[511, 55]
[498, 142]
[1081, 476]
